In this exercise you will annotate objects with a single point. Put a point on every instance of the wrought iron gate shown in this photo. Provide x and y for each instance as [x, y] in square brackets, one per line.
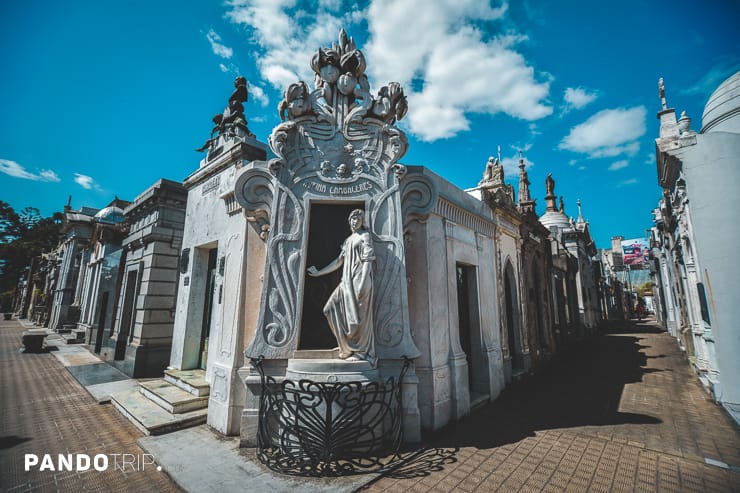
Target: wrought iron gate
[329, 428]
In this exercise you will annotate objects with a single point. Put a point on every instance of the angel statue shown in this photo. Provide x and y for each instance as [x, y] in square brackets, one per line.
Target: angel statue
[349, 310]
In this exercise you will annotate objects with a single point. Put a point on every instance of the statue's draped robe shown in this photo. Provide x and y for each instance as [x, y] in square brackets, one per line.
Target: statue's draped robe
[350, 307]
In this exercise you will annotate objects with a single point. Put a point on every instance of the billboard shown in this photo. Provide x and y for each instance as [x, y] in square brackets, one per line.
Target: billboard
[635, 251]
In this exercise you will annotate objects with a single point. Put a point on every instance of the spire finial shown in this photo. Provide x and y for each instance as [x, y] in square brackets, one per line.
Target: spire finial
[580, 213]
[499, 154]
[661, 93]
[526, 204]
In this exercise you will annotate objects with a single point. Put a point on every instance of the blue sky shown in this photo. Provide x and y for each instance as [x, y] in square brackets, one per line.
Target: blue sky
[100, 99]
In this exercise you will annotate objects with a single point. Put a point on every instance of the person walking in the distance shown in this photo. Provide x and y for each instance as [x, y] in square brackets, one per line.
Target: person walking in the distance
[350, 307]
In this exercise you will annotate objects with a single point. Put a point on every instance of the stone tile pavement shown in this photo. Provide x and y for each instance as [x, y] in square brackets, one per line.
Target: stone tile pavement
[620, 412]
[44, 410]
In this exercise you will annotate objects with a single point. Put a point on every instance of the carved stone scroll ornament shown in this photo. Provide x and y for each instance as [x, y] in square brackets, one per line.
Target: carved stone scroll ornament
[418, 198]
[254, 190]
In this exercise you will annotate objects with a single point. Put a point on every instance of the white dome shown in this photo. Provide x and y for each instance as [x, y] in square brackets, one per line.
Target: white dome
[555, 218]
[110, 215]
[723, 108]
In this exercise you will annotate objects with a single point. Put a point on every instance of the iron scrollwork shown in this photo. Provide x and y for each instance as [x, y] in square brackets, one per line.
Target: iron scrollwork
[309, 428]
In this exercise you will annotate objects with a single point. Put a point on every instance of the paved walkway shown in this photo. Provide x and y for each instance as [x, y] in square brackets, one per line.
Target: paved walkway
[44, 410]
[621, 412]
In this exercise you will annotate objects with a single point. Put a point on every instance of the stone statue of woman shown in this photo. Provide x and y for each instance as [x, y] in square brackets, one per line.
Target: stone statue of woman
[350, 307]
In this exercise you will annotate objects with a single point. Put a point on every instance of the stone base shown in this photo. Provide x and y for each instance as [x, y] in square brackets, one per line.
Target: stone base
[325, 366]
[33, 340]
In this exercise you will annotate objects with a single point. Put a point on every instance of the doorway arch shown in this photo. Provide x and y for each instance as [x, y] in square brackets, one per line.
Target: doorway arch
[511, 306]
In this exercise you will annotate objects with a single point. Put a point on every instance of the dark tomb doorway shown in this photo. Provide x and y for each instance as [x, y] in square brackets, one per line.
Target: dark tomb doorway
[205, 330]
[101, 322]
[471, 342]
[128, 314]
[512, 319]
[328, 227]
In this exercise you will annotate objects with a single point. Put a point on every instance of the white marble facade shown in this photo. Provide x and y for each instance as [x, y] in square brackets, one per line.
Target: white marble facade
[215, 228]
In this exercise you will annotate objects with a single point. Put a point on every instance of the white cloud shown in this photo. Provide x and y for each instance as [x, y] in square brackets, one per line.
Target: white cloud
[259, 95]
[511, 167]
[619, 165]
[631, 181]
[85, 181]
[218, 48]
[455, 68]
[577, 98]
[11, 168]
[286, 39]
[608, 133]
[223, 67]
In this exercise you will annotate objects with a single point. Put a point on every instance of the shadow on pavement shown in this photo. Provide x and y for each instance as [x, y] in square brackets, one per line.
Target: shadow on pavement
[582, 387]
[10, 441]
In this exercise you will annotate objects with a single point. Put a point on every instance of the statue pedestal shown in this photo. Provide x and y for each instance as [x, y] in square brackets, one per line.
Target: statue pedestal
[325, 366]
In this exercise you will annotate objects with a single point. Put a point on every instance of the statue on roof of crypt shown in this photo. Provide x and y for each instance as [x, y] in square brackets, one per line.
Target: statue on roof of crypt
[231, 122]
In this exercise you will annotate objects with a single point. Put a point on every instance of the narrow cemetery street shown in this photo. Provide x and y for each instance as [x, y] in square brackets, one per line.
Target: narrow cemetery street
[619, 412]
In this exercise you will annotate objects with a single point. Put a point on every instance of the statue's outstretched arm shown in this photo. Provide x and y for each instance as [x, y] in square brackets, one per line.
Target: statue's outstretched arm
[334, 265]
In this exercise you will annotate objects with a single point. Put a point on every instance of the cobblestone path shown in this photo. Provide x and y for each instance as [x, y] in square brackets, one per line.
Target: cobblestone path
[619, 412]
[45, 411]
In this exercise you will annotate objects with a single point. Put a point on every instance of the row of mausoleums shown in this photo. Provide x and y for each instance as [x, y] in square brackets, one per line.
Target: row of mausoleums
[194, 278]
[694, 238]
[494, 290]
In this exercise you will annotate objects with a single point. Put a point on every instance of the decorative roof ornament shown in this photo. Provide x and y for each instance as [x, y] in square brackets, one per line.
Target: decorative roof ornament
[231, 123]
[493, 174]
[340, 103]
[526, 204]
[580, 212]
[549, 185]
[661, 93]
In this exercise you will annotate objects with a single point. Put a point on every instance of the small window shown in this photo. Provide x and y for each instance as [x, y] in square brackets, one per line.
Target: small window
[703, 302]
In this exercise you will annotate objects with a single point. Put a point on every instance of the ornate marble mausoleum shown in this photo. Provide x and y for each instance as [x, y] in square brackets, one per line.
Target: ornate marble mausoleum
[321, 257]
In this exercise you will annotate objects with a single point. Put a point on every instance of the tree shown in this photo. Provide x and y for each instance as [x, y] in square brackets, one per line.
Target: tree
[22, 237]
[645, 289]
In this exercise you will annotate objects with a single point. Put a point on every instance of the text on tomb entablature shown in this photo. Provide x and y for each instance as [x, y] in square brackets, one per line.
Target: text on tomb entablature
[338, 190]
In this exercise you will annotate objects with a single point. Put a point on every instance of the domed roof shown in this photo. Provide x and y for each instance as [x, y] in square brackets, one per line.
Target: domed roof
[555, 218]
[723, 107]
[110, 215]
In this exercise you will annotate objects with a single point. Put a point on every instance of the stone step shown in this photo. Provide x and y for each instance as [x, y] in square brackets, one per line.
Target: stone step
[72, 339]
[193, 381]
[172, 398]
[152, 419]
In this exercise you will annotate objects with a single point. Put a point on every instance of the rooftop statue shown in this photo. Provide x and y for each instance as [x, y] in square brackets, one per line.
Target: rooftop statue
[494, 173]
[549, 184]
[349, 310]
[232, 118]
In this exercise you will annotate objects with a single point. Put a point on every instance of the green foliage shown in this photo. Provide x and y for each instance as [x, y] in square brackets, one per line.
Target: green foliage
[6, 301]
[645, 289]
[22, 237]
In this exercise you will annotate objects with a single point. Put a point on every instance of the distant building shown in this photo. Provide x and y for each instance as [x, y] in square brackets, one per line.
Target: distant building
[696, 235]
[70, 255]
